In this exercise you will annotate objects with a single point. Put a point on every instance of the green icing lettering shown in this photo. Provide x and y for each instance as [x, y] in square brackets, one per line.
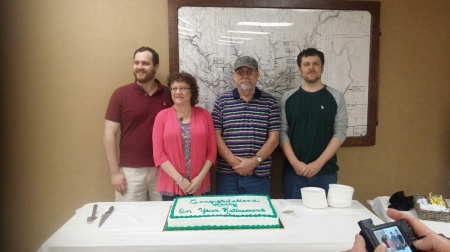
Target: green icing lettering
[207, 211]
[182, 211]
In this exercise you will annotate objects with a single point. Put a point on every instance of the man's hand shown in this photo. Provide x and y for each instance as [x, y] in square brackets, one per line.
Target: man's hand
[246, 166]
[299, 167]
[119, 182]
[431, 241]
[312, 169]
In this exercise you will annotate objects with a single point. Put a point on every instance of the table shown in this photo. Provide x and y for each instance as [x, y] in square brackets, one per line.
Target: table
[138, 226]
[380, 205]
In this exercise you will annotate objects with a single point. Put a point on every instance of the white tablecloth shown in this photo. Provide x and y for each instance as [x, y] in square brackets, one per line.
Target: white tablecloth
[380, 205]
[138, 226]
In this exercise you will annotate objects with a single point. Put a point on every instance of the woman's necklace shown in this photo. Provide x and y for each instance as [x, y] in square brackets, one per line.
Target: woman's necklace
[183, 114]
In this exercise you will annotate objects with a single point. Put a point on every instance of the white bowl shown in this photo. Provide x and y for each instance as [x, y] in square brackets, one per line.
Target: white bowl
[339, 202]
[340, 195]
[314, 197]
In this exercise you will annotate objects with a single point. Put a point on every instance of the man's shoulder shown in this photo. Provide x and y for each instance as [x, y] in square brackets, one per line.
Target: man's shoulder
[124, 90]
[129, 85]
[332, 90]
[266, 95]
[225, 95]
[337, 95]
[162, 91]
[288, 94]
[126, 87]
[160, 85]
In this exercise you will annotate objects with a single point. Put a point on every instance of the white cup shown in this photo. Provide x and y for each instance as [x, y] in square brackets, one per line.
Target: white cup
[340, 195]
[314, 197]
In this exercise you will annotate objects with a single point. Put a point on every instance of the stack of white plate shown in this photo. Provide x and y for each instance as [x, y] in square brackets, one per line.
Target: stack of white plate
[314, 197]
[340, 195]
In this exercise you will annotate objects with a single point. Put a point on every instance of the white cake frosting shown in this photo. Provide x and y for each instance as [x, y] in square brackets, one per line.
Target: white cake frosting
[222, 212]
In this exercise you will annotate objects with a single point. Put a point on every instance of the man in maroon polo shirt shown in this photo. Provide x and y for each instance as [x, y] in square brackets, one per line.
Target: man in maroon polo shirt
[131, 111]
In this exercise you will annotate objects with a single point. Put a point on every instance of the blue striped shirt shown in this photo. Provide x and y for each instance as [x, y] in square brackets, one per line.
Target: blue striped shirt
[245, 126]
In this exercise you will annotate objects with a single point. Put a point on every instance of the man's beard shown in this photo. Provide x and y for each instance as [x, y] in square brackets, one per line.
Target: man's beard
[311, 80]
[245, 86]
[147, 77]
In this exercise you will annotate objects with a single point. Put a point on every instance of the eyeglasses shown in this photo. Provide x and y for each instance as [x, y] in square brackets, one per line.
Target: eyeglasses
[241, 72]
[182, 89]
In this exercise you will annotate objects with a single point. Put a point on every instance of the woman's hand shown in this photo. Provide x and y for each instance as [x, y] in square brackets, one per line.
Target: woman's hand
[184, 184]
[195, 185]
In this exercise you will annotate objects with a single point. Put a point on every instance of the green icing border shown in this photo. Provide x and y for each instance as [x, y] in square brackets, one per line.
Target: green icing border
[211, 227]
[274, 215]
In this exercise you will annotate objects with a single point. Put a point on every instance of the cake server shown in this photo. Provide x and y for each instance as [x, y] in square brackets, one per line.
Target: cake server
[91, 218]
[105, 216]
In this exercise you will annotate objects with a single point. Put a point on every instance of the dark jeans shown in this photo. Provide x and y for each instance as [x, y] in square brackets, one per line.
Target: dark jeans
[292, 183]
[236, 184]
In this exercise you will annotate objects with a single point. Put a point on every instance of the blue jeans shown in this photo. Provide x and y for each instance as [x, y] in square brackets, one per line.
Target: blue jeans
[236, 184]
[292, 183]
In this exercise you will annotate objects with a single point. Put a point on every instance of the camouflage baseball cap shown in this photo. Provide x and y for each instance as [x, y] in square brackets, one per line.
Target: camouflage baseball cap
[246, 61]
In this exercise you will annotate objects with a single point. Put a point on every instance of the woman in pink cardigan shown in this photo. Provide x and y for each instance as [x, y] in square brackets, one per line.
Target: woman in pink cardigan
[184, 141]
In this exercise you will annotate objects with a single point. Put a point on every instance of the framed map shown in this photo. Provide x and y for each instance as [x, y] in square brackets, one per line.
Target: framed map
[206, 37]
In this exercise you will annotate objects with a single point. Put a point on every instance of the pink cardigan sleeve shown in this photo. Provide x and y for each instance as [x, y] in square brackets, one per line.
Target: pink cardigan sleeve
[158, 143]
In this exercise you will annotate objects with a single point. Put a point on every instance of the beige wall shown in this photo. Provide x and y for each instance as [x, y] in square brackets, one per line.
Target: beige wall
[61, 59]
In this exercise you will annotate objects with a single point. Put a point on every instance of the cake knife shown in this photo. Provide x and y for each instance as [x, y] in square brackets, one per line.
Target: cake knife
[105, 216]
[91, 218]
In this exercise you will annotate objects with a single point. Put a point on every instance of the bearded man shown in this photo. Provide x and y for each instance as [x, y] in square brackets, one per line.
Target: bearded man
[131, 111]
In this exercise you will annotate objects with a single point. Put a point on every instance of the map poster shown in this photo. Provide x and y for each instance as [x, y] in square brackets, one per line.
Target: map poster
[210, 39]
